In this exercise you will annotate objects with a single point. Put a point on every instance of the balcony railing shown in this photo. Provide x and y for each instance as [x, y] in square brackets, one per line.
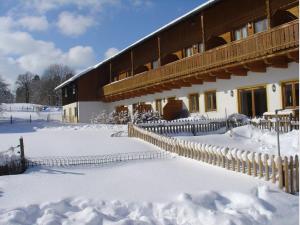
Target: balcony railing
[262, 44]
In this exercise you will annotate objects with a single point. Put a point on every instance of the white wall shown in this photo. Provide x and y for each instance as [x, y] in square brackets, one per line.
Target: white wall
[69, 113]
[223, 88]
[88, 110]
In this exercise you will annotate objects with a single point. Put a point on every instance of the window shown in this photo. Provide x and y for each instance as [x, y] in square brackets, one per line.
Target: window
[66, 92]
[188, 51]
[75, 112]
[158, 106]
[290, 94]
[260, 26]
[210, 101]
[154, 64]
[194, 103]
[74, 89]
[200, 47]
[241, 33]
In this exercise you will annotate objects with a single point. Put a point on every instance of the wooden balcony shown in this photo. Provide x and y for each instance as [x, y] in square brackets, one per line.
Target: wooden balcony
[275, 47]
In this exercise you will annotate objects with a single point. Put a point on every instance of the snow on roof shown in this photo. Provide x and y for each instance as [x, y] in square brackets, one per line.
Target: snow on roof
[190, 13]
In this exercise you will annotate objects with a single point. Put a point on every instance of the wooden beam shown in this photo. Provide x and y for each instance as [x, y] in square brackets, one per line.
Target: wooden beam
[193, 80]
[258, 66]
[220, 74]
[277, 62]
[203, 31]
[110, 68]
[293, 56]
[268, 13]
[159, 51]
[132, 66]
[209, 79]
[237, 71]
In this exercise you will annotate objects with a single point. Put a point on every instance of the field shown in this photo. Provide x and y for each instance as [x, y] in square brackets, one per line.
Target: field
[165, 191]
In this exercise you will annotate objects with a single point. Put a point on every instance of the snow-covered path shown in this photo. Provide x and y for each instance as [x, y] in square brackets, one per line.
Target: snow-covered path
[170, 191]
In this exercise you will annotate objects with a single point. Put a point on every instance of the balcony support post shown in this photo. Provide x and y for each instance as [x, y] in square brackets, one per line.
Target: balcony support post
[131, 56]
[159, 51]
[203, 32]
[268, 11]
[110, 78]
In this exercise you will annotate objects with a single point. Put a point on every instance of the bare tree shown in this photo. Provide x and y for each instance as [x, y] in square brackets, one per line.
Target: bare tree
[52, 77]
[5, 94]
[23, 84]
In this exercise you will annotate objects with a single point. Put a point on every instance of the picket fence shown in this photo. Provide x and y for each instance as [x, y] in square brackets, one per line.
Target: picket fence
[185, 126]
[284, 171]
[285, 124]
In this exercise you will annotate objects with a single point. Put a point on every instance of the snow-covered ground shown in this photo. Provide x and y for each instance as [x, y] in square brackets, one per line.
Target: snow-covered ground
[166, 191]
[252, 139]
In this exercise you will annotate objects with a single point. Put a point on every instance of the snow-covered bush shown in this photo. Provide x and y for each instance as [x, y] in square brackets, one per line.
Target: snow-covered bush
[112, 118]
[238, 118]
[145, 116]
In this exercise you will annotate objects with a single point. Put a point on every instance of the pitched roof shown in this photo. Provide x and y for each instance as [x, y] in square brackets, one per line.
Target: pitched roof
[177, 20]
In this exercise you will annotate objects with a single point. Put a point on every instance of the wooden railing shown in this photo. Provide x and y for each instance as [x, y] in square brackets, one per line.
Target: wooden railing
[262, 44]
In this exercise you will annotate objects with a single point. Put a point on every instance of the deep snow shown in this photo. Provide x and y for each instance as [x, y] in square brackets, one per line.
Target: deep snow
[171, 191]
[252, 139]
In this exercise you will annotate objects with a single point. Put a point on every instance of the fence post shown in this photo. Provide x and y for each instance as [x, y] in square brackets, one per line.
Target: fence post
[273, 169]
[22, 154]
[280, 177]
[292, 174]
[267, 175]
[297, 173]
[286, 174]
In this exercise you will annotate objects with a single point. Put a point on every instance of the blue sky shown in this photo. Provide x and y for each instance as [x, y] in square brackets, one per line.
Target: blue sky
[78, 33]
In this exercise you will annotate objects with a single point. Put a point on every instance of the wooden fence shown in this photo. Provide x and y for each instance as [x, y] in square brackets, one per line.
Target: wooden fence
[194, 127]
[284, 171]
[285, 125]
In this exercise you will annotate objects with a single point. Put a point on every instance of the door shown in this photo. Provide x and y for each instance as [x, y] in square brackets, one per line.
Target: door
[253, 101]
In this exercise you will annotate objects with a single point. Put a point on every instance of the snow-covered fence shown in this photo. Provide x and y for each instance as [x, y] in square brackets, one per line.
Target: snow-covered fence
[286, 124]
[12, 161]
[30, 117]
[94, 160]
[284, 171]
[185, 126]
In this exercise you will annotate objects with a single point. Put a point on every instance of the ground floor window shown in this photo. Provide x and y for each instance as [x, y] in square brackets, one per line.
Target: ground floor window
[210, 101]
[290, 94]
[253, 101]
[158, 106]
[75, 112]
[194, 103]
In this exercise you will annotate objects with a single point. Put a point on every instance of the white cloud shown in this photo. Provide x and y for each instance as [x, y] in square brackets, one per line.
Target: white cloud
[72, 24]
[110, 52]
[20, 52]
[34, 23]
[141, 3]
[43, 6]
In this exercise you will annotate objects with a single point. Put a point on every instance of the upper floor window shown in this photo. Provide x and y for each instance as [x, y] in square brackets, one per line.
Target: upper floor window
[66, 92]
[74, 90]
[154, 64]
[210, 101]
[241, 33]
[290, 94]
[260, 25]
[194, 103]
[188, 51]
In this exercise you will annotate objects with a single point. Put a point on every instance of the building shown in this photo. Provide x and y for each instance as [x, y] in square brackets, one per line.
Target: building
[224, 56]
